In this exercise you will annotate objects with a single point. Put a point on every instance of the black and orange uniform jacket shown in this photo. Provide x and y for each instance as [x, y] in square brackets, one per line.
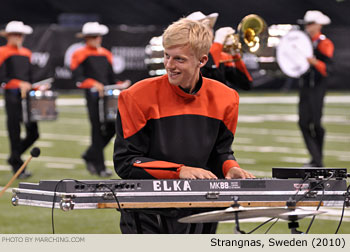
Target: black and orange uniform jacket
[312, 92]
[90, 64]
[160, 128]
[15, 66]
[323, 51]
[227, 68]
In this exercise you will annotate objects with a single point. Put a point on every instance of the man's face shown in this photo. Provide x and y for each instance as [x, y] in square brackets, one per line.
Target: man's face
[182, 66]
[313, 28]
[94, 41]
[15, 39]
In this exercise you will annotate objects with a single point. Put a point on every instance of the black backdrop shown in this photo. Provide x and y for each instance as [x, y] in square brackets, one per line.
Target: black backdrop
[133, 22]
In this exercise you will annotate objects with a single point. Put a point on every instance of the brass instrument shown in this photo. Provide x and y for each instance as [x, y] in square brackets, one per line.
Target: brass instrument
[251, 36]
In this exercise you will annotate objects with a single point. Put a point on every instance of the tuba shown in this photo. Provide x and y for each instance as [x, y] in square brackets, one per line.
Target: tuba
[251, 36]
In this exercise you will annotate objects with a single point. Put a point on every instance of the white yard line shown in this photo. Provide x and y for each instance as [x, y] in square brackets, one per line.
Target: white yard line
[5, 168]
[60, 166]
[66, 162]
[61, 137]
[44, 144]
[288, 150]
[284, 132]
[289, 99]
[336, 119]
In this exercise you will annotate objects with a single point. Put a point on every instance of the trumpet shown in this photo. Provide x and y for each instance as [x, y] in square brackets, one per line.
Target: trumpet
[251, 36]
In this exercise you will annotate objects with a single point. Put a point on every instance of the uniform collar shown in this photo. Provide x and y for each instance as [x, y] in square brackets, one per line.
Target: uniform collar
[183, 93]
[92, 48]
[316, 36]
[13, 47]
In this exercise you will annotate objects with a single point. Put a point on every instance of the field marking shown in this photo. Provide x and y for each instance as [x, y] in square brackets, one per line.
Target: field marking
[295, 160]
[62, 137]
[288, 150]
[5, 168]
[284, 132]
[285, 139]
[289, 99]
[8, 190]
[73, 121]
[334, 119]
[66, 162]
[44, 144]
[60, 166]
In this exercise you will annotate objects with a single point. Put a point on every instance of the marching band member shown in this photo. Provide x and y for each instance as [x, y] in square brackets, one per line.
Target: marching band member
[227, 68]
[313, 86]
[16, 75]
[179, 125]
[92, 69]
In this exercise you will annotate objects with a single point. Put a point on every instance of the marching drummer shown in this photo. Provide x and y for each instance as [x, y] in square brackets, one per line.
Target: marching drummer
[16, 76]
[313, 86]
[92, 69]
[229, 69]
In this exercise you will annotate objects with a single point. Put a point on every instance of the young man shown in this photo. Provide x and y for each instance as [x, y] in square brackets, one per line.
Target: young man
[16, 77]
[313, 86]
[180, 125]
[92, 69]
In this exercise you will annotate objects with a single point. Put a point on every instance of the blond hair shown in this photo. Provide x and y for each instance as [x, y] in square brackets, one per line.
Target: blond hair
[189, 32]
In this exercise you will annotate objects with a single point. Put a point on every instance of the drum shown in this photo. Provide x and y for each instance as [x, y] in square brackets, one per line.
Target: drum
[108, 105]
[39, 106]
[292, 53]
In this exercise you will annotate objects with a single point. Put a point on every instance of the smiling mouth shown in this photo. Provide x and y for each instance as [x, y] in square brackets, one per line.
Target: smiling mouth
[172, 74]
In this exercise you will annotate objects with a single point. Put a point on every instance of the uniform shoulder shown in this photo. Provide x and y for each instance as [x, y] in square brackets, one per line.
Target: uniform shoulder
[145, 86]
[26, 51]
[80, 50]
[105, 51]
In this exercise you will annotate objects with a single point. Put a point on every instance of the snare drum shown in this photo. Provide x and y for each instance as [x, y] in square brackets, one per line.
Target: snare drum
[108, 105]
[39, 106]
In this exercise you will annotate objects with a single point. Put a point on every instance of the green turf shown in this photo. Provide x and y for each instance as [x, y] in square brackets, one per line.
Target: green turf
[68, 137]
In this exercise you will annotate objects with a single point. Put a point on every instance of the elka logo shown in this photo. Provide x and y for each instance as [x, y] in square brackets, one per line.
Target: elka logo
[173, 185]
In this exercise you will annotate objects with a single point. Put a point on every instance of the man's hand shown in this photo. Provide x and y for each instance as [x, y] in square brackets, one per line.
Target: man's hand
[100, 88]
[222, 33]
[25, 88]
[188, 172]
[312, 61]
[237, 172]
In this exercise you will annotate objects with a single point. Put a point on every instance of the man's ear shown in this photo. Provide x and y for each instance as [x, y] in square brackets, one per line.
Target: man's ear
[203, 60]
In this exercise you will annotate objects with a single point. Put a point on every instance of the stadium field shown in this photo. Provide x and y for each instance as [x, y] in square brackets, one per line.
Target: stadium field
[267, 136]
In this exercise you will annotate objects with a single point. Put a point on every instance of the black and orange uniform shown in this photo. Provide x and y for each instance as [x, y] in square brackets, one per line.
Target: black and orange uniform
[160, 128]
[312, 91]
[91, 64]
[15, 66]
[227, 68]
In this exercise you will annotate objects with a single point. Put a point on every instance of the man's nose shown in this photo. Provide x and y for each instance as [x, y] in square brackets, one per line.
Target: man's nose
[169, 63]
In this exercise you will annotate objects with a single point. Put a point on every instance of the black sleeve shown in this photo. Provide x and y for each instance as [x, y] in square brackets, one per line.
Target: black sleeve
[236, 78]
[222, 151]
[230, 76]
[127, 152]
[3, 77]
[78, 74]
[111, 75]
[131, 154]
